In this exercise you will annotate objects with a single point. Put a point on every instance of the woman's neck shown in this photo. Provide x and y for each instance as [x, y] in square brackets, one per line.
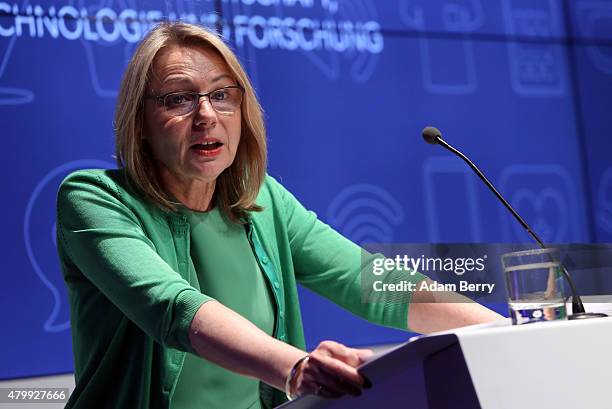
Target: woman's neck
[192, 193]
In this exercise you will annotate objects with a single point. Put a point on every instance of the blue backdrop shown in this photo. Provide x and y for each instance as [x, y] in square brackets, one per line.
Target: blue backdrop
[522, 86]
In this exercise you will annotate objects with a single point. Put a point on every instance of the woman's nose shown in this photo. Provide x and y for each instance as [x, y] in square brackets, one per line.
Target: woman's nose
[205, 114]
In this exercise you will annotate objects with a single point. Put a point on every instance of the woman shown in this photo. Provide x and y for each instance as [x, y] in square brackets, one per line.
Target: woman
[182, 265]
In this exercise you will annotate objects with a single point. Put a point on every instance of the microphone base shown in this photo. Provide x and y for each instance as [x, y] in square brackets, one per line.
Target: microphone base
[586, 315]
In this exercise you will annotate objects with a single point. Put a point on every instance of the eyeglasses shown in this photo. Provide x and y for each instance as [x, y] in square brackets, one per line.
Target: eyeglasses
[224, 100]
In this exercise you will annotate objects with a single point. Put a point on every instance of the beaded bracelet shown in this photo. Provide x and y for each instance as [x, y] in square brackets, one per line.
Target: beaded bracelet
[292, 374]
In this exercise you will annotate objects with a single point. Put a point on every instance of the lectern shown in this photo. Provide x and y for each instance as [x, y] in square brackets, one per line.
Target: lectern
[550, 365]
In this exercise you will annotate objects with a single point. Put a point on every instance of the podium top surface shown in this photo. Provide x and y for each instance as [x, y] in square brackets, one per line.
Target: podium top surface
[541, 365]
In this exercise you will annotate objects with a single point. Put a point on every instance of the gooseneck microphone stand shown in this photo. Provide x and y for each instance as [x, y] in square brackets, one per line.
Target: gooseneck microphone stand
[433, 136]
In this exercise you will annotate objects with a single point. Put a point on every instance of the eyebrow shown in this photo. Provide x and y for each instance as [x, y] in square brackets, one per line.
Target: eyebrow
[189, 79]
[222, 76]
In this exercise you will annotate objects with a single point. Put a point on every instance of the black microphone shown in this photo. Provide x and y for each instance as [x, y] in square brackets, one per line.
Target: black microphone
[433, 136]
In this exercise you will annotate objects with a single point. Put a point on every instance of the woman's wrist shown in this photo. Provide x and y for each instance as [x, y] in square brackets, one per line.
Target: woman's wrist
[289, 381]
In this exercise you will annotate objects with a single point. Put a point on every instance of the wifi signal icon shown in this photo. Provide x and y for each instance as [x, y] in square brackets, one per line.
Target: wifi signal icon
[365, 213]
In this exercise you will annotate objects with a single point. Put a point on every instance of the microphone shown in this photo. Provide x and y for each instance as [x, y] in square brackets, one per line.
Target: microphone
[433, 136]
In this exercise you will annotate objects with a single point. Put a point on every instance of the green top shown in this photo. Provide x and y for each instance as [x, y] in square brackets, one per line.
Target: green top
[227, 270]
[133, 291]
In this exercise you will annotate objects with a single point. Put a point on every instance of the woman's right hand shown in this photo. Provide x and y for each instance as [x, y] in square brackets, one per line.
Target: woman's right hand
[330, 372]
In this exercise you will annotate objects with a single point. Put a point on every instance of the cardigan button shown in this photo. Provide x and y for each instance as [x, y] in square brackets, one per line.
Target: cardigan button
[265, 260]
[276, 285]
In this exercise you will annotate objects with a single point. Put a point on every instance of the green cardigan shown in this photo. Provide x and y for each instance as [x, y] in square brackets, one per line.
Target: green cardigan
[133, 290]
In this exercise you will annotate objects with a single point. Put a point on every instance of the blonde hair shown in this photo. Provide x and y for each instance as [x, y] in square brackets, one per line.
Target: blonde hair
[237, 187]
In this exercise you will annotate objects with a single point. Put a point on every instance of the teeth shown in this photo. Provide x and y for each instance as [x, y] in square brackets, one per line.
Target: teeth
[208, 143]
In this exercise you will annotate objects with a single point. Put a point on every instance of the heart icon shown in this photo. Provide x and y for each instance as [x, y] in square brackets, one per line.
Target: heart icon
[541, 205]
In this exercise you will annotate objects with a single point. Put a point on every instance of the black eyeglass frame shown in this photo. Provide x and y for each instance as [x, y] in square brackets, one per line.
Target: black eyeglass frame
[161, 98]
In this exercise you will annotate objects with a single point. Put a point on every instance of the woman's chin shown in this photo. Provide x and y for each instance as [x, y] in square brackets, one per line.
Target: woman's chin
[209, 171]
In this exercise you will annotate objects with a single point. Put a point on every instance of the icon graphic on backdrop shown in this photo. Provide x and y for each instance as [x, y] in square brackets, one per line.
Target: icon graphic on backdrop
[106, 44]
[246, 54]
[192, 11]
[595, 23]
[40, 241]
[365, 213]
[604, 201]
[536, 70]
[111, 48]
[440, 173]
[545, 196]
[363, 64]
[540, 201]
[10, 95]
[454, 16]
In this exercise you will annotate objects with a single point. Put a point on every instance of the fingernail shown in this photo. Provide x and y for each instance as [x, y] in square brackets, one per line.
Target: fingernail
[367, 384]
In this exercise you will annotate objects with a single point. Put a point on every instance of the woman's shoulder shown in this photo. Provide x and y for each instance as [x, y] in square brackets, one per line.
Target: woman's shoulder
[277, 201]
[111, 179]
[109, 184]
[94, 175]
[96, 192]
[272, 193]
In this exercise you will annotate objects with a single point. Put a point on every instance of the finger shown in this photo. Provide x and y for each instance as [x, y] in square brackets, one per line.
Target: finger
[325, 392]
[350, 356]
[335, 368]
[314, 377]
[339, 384]
[363, 354]
[307, 382]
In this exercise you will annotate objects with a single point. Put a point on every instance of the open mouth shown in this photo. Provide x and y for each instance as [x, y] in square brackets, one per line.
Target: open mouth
[206, 146]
